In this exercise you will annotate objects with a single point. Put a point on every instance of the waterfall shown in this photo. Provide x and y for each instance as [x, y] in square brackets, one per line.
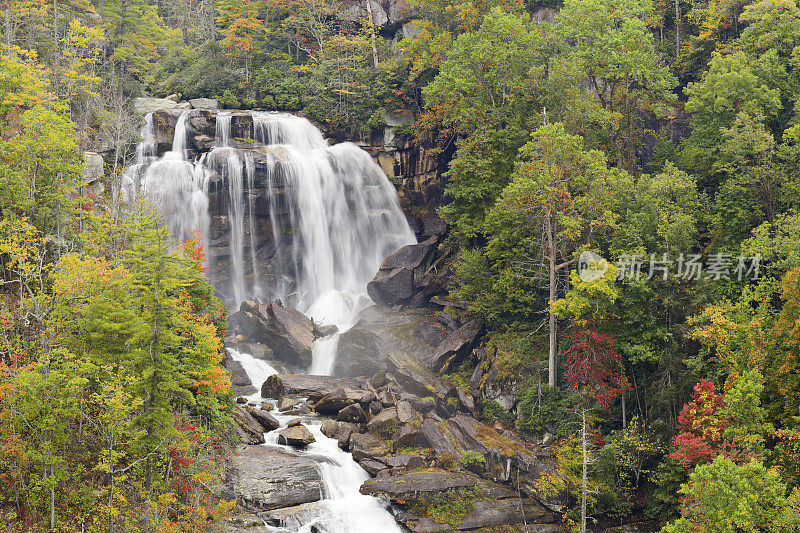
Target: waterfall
[145, 152]
[333, 216]
[307, 224]
[179, 139]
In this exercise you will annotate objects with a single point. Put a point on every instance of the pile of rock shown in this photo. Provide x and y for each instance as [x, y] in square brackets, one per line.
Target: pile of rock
[417, 434]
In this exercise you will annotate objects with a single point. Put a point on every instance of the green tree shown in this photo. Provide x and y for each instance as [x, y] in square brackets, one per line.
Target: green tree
[607, 46]
[728, 498]
[487, 93]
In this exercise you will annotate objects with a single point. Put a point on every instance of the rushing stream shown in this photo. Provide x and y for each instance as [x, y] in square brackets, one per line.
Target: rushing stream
[333, 217]
[343, 509]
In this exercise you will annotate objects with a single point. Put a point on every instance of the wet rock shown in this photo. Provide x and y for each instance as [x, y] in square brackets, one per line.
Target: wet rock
[333, 402]
[330, 428]
[296, 436]
[415, 377]
[321, 330]
[267, 421]
[384, 424]
[293, 517]
[294, 422]
[285, 404]
[304, 385]
[410, 485]
[285, 330]
[262, 478]
[248, 429]
[395, 282]
[241, 400]
[367, 446]
[380, 331]
[352, 413]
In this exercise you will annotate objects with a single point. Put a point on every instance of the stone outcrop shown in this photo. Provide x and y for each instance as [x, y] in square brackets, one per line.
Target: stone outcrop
[396, 283]
[297, 436]
[149, 105]
[285, 330]
[380, 331]
[304, 386]
[248, 428]
[261, 478]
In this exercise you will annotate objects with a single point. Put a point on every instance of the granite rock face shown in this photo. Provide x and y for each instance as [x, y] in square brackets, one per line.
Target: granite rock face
[261, 479]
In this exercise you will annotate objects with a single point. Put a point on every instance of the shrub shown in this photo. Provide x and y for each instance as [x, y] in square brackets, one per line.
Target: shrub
[473, 461]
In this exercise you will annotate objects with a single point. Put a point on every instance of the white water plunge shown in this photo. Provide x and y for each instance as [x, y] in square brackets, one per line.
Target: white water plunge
[333, 214]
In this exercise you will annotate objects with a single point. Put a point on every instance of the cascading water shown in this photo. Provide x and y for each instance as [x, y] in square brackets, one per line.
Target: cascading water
[333, 215]
[327, 218]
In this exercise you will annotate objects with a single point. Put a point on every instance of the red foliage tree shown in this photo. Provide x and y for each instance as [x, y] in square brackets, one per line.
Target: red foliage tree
[595, 366]
[701, 427]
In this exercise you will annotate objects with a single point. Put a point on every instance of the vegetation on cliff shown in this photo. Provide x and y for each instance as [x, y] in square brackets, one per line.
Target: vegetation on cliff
[661, 137]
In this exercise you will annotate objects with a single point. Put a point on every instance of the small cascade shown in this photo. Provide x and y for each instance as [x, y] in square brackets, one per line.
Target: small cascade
[145, 153]
[222, 132]
[250, 177]
[179, 139]
[236, 220]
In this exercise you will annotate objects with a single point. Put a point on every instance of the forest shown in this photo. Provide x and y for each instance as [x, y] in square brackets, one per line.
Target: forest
[620, 183]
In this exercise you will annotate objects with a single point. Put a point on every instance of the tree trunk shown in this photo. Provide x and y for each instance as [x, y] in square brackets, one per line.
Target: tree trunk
[677, 29]
[624, 412]
[372, 27]
[551, 357]
[585, 463]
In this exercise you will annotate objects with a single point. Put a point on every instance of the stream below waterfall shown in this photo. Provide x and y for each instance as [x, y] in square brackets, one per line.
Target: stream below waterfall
[306, 224]
[343, 509]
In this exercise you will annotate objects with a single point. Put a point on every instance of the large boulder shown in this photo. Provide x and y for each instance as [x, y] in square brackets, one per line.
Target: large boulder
[304, 386]
[411, 485]
[367, 446]
[247, 427]
[352, 413]
[415, 377]
[297, 436]
[396, 281]
[285, 330]
[262, 478]
[239, 378]
[454, 348]
[267, 421]
[204, 103]
[332, 403]
[148, 105]
[362, 350]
